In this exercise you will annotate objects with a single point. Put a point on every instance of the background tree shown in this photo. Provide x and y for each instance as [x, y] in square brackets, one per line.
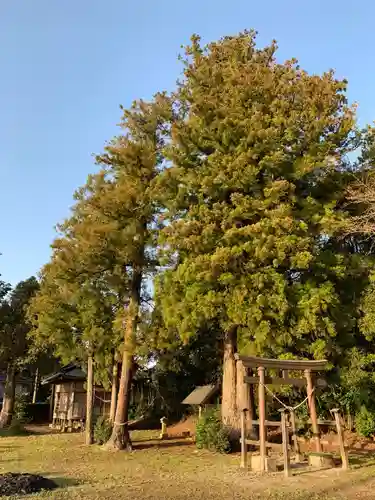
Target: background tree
[178, 367]
[14, 328]
[74, 316]
[258, 157]
[360, 194]
[356, 383]
[110, 237]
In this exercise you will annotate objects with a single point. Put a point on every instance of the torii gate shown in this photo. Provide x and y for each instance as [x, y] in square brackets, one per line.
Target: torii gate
[246, 363]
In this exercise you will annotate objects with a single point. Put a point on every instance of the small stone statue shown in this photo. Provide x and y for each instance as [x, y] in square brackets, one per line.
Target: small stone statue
[163, 433]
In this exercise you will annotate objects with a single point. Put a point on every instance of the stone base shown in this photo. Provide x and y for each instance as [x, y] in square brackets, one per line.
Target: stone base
[321, 460]
[255, 464]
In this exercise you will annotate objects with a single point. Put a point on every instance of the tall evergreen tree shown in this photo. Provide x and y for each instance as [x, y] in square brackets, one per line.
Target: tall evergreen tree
[258, 159]
[110, 237]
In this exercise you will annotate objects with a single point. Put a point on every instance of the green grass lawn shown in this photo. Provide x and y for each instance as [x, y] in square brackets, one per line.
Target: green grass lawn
[168, 470]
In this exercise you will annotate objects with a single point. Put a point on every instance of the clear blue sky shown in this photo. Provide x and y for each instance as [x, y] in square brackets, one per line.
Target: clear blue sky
[66, 65]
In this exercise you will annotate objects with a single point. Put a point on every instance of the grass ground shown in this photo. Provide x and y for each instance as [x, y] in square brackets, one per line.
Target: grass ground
[169, 470]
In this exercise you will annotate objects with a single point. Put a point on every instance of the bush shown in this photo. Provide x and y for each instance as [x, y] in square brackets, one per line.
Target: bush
[211, 433]
[20, 416]
[365, 422]
[102, 430]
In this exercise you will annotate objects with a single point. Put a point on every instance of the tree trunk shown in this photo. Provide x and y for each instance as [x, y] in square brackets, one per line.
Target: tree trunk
[120, 438]
[229, 413]
[9, 397]
[112, 411]
[36, 384]
[89, 401]
[245, 397]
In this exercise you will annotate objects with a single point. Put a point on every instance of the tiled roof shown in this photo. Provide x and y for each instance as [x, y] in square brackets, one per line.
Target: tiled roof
[200, 395]
[68, 372]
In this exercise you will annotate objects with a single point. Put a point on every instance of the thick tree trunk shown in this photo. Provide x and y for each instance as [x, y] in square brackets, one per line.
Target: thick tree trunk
[112, 410]
[245, 397]
[229, 411]
[6, 414]
[120, 438]
[89, 401]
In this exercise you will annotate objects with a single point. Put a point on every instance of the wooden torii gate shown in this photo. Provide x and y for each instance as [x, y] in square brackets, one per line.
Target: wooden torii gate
[247, 365]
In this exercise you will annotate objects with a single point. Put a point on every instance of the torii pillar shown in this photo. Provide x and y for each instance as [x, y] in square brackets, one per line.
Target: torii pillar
[312, 409]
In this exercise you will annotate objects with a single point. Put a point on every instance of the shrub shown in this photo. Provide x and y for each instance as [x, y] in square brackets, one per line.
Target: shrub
[102, 430]
[365, 422]
[211, 433]
[20, 416]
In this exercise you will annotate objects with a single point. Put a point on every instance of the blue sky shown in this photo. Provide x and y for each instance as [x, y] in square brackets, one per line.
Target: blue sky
[66, 65]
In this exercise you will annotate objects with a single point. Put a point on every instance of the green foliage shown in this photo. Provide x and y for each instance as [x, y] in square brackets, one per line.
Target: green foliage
[105, 250]
[102, 430]
[19, 420]
[20, 415]
[211, 434]
[182, 367]
[253, 196]
[231, 194]
[365, 422]
[14, 324]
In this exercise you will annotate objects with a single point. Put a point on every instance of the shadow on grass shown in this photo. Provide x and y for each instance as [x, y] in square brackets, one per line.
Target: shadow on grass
[145, 445]
[309, 470]
[13, 460]
[359, 482]
[14, 432]
[41, 429]
[360, 460]
[64, 482]
[19, 430]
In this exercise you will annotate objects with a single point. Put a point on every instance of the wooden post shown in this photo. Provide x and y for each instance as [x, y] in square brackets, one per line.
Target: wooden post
[312, 408]
[254, 429]
[52, 403]
[344, 454]
[89, 401]
[114, 391]
[36, 384]
[284, 431]
[70, 413]
[243, 439]
[350, 421]
[262, 418]
[296, 448]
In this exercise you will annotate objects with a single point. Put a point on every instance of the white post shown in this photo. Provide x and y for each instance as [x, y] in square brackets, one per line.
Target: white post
[243, 440]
